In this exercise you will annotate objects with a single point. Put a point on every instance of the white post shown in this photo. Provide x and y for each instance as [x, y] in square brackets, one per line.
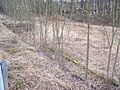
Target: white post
[1, 79]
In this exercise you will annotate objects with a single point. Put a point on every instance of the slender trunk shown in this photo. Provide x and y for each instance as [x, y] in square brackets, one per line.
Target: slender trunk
[116, 57]
[113, 35]
[88, 37]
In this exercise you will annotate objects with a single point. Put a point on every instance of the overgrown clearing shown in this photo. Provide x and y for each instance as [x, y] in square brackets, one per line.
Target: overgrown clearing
[29, 69]
[32, 68]
[61, 44]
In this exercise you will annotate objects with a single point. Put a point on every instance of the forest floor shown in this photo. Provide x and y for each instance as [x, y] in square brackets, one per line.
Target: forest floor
[30, 68]
[75, 35]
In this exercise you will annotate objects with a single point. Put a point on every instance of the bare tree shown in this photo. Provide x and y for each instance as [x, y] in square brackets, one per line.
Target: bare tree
[88, 37]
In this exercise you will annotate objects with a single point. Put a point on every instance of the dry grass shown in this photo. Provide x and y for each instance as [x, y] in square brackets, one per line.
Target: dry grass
[32, 70]
[100, 37]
